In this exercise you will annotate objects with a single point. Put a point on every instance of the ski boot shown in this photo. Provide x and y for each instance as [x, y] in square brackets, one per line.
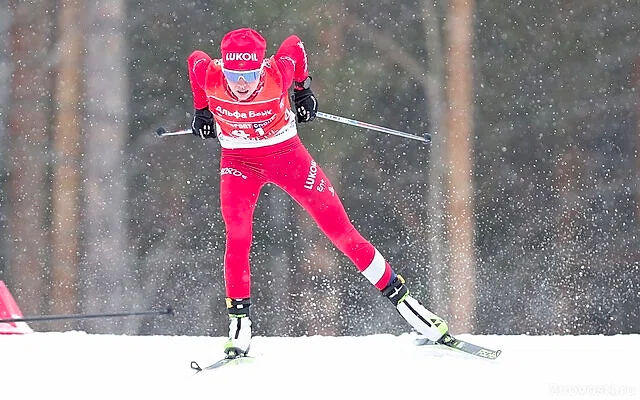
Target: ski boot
[239, 328]
[422, 320]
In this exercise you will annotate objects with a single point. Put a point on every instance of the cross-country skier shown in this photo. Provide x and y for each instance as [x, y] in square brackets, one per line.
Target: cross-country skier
[242, 98]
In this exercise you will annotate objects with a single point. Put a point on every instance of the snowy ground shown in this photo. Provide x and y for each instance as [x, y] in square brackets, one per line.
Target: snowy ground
[76, 365]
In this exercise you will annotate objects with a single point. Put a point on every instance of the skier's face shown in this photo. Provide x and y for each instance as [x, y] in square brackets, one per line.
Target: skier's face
[243, 89]
[243, 83]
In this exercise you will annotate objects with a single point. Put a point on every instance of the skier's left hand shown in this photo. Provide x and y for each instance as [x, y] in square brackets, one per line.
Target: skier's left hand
[306, 104]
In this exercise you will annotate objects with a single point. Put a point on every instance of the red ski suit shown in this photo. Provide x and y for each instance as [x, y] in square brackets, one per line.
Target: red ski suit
[260, 145]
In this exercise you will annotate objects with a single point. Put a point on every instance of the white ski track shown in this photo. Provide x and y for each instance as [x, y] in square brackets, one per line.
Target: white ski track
[43, 365]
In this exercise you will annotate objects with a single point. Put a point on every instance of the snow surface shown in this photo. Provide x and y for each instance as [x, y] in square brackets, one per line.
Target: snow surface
[77, 365]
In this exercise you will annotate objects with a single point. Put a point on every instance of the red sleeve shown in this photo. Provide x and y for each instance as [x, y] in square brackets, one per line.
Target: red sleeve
[198, 63]
[291, 59]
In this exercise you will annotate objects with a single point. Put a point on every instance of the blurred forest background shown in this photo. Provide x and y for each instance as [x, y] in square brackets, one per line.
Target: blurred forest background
[522, 217]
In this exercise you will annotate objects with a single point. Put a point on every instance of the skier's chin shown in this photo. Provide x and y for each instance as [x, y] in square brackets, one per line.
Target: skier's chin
[242, 94]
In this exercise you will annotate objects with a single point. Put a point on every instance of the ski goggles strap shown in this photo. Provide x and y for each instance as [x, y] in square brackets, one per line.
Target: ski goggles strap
[248, 76]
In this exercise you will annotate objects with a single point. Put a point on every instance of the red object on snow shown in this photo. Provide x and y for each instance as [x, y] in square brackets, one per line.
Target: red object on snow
[9, 309]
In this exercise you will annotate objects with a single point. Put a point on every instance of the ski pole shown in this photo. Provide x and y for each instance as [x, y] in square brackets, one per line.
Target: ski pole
[426, 138]
[167, 311]
[163, 132]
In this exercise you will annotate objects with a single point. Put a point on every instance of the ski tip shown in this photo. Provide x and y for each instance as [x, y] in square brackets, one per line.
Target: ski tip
[488, 354]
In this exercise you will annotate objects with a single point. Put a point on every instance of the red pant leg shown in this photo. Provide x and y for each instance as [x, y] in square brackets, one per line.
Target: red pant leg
[239, 190]
[302, 178]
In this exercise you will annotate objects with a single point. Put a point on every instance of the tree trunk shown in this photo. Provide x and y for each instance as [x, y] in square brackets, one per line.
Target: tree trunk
[28, 123]
[67, 167]
[433, 87]
[107, 271]
[459, 155]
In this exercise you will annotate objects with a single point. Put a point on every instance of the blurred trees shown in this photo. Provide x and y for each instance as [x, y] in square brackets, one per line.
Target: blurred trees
[66, 163]
[553, 158]
[26, 251]
[556, 168]
[109, 276]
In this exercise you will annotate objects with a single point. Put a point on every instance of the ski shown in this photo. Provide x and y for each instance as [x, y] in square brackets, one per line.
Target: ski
[221, 363]
[461, 345]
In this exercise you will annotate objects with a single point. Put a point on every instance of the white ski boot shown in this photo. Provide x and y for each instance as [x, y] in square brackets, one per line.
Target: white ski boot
[239, 328]
[422, 320]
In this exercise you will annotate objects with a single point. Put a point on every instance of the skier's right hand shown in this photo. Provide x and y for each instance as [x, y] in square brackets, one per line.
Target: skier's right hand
[202, 124]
